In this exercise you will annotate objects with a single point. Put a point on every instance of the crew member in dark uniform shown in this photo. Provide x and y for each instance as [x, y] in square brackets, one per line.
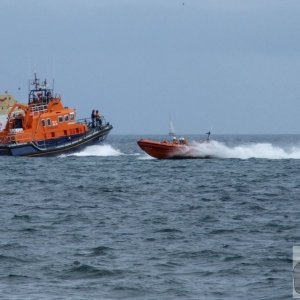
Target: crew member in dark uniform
[98, 119]
[93, 117]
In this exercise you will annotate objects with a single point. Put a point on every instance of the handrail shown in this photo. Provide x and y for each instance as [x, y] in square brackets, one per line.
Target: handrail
[88, 121]
[22, 138]
[38, 108]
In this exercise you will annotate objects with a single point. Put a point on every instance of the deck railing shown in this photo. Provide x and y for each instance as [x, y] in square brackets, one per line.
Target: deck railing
[22, 138]
[36, 109]
[89, 122]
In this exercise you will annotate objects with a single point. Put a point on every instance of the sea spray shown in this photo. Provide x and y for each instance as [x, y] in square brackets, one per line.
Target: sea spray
[99, 150]
[215, 149]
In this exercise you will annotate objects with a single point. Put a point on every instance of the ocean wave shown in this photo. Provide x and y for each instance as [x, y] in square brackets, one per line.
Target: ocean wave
[100, 250]
[84, 271]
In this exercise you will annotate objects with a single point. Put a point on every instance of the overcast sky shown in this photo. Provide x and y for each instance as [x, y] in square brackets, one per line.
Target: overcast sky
[232, 66]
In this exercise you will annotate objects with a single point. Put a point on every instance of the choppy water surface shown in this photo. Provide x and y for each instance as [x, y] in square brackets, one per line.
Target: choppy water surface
[112, 223]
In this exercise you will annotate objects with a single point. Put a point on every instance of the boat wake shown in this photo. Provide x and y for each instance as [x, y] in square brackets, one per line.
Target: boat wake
[98, 150]
[145, 157]
[215, 149]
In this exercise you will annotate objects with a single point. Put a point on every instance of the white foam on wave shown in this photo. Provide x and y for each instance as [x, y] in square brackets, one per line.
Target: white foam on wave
[245, 151]
[99, 150]
[145, 156]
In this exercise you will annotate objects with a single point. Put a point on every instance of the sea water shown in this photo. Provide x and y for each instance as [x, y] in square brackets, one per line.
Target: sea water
[110, 222]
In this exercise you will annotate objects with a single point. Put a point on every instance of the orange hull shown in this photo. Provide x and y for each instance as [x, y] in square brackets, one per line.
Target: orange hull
[165, 149]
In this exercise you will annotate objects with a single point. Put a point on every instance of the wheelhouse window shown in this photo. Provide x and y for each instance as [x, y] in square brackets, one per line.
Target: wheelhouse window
[72, 116]
[60, 119]
[43, 123]
[66, 118]
[48, 122]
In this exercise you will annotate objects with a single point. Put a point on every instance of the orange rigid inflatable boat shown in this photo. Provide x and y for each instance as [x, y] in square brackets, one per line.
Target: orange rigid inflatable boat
[165, 149]
[45, 126]
[174, 149]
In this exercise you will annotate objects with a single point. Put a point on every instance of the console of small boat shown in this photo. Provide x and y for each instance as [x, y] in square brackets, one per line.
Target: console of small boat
[45, 126]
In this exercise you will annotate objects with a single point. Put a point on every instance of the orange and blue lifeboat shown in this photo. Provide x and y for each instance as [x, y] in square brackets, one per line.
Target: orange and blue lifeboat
[45, 126]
